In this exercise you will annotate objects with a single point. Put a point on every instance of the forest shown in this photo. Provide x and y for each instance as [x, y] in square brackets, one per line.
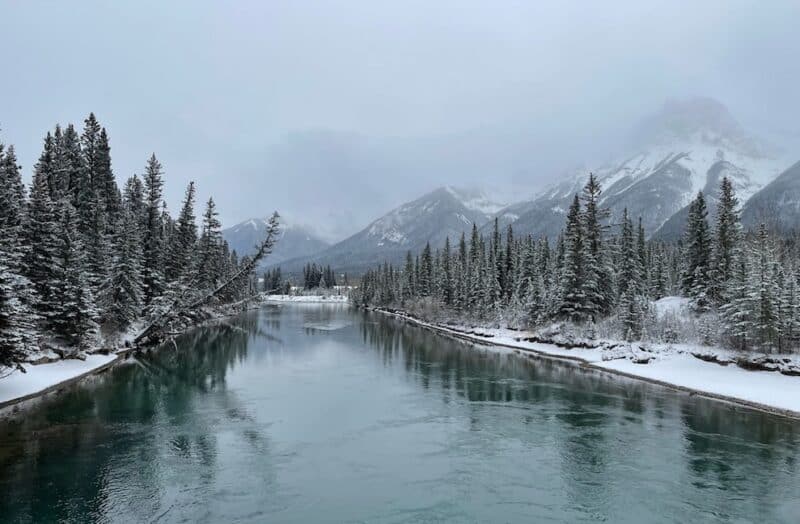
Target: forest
[85, 264]
[603, 278]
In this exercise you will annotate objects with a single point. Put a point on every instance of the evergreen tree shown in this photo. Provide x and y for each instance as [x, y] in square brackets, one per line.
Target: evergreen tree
[695, 280]
[573, 299]
[628, 281]
[74, 321]
[210, 249]
[122, 296]
[597, 279]
[726, 236]
[763, 292]
[426, 272]
[153, 258]
[41, 237]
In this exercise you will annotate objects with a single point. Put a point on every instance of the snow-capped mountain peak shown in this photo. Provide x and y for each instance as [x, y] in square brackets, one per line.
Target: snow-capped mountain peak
[475, 200]
[685, 147]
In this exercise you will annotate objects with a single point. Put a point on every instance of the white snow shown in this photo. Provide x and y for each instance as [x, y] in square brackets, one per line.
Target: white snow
[40, 377]
[475, 200]
[768, 388]
[671, 305]
[673, 365]
[329, 299]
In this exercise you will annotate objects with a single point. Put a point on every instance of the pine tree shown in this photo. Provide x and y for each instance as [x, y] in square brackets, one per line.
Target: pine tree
[75, 318]
[426, 271]
[726, 236]
[641, 252]
[695, 279]
[509, 269]
[152, 266]
[410, 282]
[41, 237]
[597, 280]
[210, 249]
[448, 291]
[573, 299]
[763, 292]
[122, 295]
[628, 282]
[17, 331]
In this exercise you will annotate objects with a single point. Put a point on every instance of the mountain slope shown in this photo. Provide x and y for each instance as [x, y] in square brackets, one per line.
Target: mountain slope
[686, 147]
[295, 240]
[431, 218]
[777, 204]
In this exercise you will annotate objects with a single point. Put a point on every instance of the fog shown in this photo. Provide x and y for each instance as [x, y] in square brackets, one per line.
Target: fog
[333, 112]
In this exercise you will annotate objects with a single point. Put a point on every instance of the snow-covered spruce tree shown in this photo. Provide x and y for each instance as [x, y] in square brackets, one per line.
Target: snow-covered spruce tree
[70, 167]
[210, 249]
[17, 330]
[182, 247]
[122, 296]
[74, 320]
[629, 282]
[426, 271]
[510, 270]
[447, 285]
[133, 200]
[790, 309]
[597, 275]
[41, 237]
[695, 279]
[762, 292]
[153, 261]
[736, 305]
[727, 232]
[643, 258]
[573, 304]
[410, 286]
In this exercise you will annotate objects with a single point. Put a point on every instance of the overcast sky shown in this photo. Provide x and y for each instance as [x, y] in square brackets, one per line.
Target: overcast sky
[333, 112]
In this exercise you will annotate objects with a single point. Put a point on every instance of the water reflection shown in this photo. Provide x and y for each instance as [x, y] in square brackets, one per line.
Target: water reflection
[115, 440]
[252, 419]
[608, 426]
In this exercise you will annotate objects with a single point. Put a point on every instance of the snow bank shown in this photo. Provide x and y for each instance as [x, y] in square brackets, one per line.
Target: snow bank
[667, 364]
[43, 376]
[767, 388]
[338, 299]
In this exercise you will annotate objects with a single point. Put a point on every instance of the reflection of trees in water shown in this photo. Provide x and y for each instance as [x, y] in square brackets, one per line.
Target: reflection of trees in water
[129, 429]
[605, 420]
[738, 450]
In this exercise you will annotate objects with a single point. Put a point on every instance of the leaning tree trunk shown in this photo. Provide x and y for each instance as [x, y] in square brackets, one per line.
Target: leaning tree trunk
[180, 309]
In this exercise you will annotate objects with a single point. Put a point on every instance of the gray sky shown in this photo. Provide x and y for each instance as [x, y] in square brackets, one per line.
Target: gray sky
[333, 112]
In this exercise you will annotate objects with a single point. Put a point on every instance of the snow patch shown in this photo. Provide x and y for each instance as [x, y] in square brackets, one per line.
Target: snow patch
[37, 378]
[317, 299]
[671, 305]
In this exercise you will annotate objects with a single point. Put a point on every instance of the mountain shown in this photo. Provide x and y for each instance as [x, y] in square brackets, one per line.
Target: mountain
[447, 211]
[777, 204]
[295, 240]
[685, 147]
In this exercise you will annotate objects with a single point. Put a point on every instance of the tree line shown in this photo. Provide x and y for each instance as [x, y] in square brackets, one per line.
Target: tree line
[81, 259]
[742, 287]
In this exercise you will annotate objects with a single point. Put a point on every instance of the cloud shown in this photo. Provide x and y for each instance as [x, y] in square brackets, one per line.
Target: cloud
[336, 111]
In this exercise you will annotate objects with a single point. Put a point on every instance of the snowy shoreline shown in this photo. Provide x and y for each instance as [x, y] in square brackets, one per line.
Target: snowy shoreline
[39, 380]
[768, 391]
[310, 299]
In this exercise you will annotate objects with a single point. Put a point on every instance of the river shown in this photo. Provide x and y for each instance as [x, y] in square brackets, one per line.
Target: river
[306, 413]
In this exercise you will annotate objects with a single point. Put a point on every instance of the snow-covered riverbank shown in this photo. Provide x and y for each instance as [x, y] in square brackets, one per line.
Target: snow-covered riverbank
[675, 366]
[327, 299]
[41, 378]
